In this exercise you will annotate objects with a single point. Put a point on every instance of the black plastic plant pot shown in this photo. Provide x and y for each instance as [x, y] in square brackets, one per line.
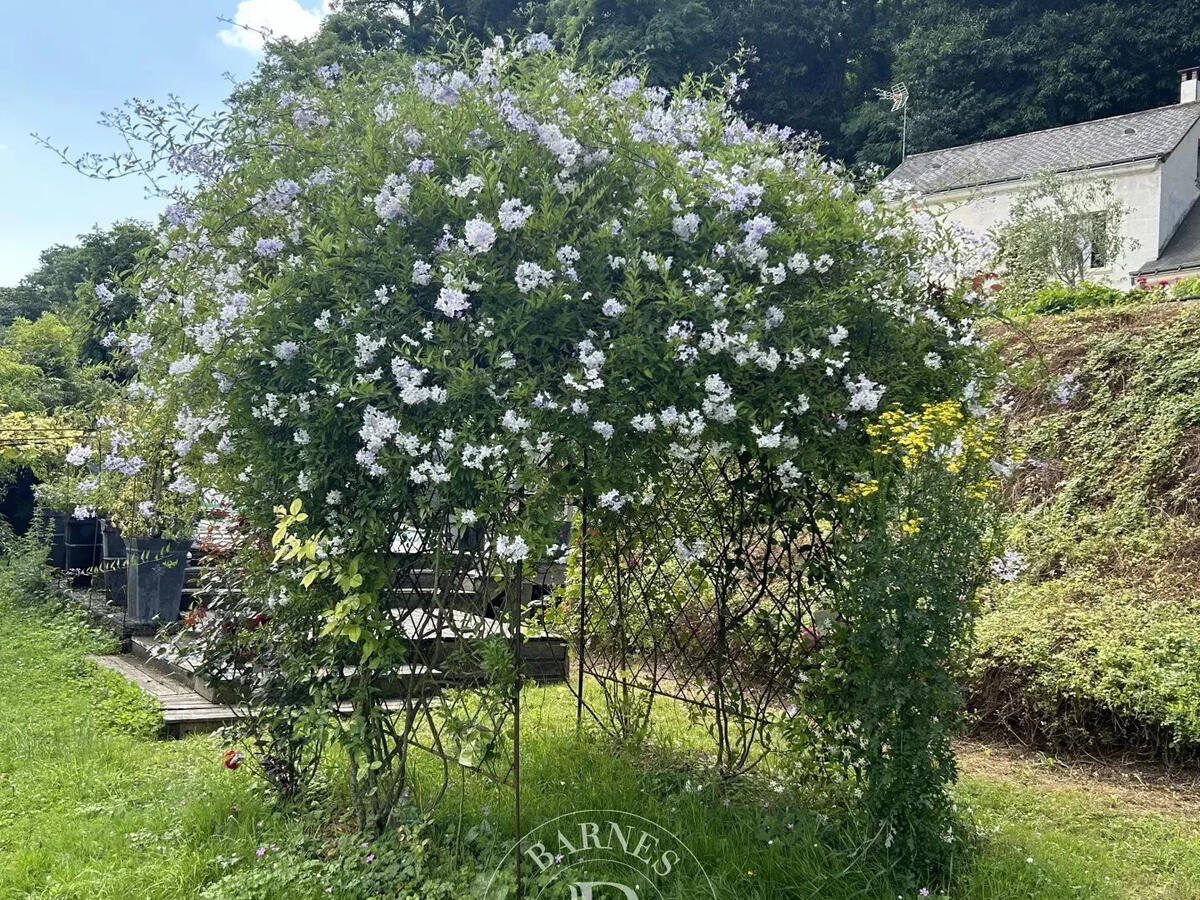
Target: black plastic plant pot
[57, 536]
[157, 567]
[116, 565]
[82, 543]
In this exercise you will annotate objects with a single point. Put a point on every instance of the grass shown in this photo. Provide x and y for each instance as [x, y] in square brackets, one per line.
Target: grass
[93, 806]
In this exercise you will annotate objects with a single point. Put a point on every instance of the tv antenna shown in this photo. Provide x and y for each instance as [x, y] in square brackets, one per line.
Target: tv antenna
[897, 94]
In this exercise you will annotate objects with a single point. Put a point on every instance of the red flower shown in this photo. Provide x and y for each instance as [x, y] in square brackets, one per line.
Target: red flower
[232, 759]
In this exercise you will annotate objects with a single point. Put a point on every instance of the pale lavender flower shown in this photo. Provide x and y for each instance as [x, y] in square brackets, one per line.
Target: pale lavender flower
[268, 248]
[538, 42]
[452, 303]
[480, 235]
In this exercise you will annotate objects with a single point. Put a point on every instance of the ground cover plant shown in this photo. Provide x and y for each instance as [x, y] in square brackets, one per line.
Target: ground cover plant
[1095, 643]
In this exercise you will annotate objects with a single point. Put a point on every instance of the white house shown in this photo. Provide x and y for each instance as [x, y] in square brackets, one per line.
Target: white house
[1151, 159]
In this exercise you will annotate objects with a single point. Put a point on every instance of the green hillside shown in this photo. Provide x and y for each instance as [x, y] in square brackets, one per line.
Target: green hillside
[1097, 642]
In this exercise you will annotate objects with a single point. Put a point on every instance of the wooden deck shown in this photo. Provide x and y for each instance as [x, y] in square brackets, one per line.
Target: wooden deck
[184, 710]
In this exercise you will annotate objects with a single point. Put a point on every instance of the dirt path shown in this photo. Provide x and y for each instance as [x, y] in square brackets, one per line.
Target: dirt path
[1133, 784]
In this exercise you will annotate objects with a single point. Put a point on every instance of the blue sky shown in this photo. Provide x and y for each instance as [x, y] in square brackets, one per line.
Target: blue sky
[63, 62]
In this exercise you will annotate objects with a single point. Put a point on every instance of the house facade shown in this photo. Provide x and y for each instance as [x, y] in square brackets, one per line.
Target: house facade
[1151, 160]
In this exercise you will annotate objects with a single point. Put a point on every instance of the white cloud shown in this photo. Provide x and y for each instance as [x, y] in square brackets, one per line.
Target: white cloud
[281, 18]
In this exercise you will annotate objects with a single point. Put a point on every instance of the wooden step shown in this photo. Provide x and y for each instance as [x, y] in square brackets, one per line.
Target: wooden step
[184, 711]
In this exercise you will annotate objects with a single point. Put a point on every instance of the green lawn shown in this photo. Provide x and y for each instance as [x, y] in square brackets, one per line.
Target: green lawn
[91, 806]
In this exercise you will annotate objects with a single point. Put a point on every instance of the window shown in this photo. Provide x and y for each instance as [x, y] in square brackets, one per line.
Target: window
[1093, 240]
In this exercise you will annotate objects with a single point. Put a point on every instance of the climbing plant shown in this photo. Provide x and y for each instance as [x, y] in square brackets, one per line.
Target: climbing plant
[406, 317]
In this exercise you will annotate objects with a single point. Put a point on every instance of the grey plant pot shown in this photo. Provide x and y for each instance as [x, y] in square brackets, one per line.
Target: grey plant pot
[157, 568]
[58, 538]
[116, 565]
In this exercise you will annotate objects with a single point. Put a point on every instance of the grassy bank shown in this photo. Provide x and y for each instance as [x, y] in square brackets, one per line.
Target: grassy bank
[93, 806]
[1096, 645]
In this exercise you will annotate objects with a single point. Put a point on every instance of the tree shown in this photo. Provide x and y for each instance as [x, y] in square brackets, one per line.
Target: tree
[1057, 231]
[40, 369]
[670, 39]
[982, 69]
[99, 254]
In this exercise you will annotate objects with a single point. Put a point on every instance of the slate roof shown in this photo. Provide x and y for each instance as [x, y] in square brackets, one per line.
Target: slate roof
[1150, 134]
[1182, 250]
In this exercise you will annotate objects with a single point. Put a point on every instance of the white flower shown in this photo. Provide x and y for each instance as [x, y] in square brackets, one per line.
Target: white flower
[285, 350]
[1002, 468]
[467, 517]
[769, 440]
[603, 429]
[301, 436]
[422, 273]
[530, 276]
[611, 500]
[1008, 567]
[333, 498]
[480, 235]
[1065, 388]
[837, 335]
[511, 549]
[612, 308]
[688, 552]
[182, 485]
[798, 263]
[774, 318]
[933, 361]
[77, 456]
[452, 303]
[461, 187]
[644, 422]
[184, 365]
[513, 422]
[686, 226]
[392, 199]
[514, 214]
[865, 394]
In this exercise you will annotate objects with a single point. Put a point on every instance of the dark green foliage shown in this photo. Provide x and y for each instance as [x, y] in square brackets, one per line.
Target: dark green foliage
[976, 70]
[981, 70]
[51, 287]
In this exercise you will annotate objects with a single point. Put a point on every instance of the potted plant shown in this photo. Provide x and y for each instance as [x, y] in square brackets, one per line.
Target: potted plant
[151, 507]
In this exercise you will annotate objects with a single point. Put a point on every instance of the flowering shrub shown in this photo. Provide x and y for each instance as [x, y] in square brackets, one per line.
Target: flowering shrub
[128, 471]
[885, 700]
[416, 299]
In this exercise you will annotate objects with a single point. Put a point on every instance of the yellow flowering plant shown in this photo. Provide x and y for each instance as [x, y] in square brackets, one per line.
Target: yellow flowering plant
[918, 529]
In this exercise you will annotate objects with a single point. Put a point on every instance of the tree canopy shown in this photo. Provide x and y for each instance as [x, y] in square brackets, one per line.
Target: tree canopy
[99, 254]
[975, 70]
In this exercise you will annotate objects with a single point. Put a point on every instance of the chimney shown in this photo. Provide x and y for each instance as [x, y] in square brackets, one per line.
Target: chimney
[1189, 85]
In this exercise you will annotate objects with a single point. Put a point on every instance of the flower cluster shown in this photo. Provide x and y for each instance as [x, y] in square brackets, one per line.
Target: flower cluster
[434, 287]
